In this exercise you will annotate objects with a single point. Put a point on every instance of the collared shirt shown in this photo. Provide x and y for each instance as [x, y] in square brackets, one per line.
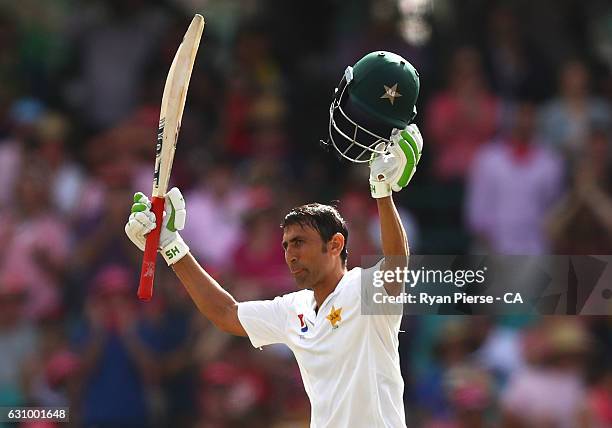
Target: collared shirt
[508, 198]
[349, 362]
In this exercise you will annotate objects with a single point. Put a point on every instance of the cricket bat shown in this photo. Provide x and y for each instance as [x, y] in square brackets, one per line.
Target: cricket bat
[173, 103]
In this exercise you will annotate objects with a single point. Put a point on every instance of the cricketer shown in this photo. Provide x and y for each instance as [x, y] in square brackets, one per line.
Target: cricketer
[349, 362]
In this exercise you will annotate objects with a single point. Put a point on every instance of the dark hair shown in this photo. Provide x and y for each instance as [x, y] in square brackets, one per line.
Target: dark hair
[325, 219]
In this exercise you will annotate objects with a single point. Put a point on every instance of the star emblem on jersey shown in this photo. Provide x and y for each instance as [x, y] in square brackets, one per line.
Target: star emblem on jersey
[334, 316]
[391, 93]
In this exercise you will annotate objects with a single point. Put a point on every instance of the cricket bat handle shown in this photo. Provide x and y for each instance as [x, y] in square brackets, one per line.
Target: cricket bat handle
[147, 272]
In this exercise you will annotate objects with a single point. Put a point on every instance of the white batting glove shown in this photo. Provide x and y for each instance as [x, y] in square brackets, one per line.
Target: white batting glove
[394, 170]
[142, 221]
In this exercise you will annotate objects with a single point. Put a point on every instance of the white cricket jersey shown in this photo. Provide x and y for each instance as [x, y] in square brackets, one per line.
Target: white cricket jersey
[349, 362]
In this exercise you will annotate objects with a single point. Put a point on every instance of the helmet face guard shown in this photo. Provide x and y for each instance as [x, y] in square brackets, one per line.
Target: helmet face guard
[354, 141]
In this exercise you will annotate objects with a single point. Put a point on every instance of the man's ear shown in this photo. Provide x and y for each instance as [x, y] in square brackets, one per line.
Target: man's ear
[336, 243]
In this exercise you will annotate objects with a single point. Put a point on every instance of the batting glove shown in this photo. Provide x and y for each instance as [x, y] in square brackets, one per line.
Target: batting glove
[142, 221]
[393, 170]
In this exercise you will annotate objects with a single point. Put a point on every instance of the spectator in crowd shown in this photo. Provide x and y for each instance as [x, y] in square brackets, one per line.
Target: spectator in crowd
[582, 222]
[174, 317]
[119, 156]
[598, 403]
[514, 171]
[118, 352]
[550, 392]
[498, 347]
[567, 118]
[359, 215]
[113, 41]
[266, 165]
[450, 350]
[51, 374]
[510, 59]
[260, 269]
[254, 74]
[99, 243]
[469, 390]
[67, 178]
[234, 391]
[42, 262]
[20, 121]
[460, 118]
[18, 338]
[219, 203]
[378, 28]
[294, 407]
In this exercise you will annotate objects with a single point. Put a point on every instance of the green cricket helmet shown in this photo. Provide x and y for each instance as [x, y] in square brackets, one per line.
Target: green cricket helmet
[375, 96]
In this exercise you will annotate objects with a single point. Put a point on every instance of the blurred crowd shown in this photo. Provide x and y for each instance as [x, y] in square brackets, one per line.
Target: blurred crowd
[516, 113]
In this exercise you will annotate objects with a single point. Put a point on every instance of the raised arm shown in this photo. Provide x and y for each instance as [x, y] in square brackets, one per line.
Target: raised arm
[392, 233]
[394, 241]
[212, 300]
[388, 173]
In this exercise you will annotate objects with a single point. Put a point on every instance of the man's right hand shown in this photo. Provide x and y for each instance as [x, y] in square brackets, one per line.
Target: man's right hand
[142, 221]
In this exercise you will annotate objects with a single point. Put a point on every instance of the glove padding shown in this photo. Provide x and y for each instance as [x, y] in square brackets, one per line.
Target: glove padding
[393, 170]
[142, 221]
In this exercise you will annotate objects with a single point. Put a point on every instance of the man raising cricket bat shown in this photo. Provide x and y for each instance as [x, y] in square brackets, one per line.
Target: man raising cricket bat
[349, 362]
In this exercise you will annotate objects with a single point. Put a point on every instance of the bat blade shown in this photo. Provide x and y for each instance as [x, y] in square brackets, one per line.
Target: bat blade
[172, 106]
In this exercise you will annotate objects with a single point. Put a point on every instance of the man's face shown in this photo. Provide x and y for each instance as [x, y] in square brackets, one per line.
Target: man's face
[306, 255]
[525, 120]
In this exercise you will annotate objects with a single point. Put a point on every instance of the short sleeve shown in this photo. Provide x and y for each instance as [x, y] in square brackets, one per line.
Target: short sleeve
[264, 321]
[371, 295]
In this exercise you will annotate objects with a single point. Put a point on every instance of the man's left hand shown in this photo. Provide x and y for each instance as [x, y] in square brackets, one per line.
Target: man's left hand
[393, 170]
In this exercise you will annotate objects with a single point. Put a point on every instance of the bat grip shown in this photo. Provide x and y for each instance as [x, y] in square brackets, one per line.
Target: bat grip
[147, 273]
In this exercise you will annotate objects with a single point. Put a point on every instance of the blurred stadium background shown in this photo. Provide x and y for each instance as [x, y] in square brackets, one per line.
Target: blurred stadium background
[515, 110]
